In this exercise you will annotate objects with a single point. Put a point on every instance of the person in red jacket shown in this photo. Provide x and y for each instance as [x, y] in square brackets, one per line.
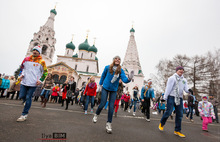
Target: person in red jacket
[126, 100]
[90, 91]
[54, 95]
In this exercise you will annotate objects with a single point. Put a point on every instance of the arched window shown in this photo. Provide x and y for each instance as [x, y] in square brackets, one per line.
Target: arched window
[44, 49]
[67, 52]
[82, 55]
[62, 79]
[75, 67]
[87, 69]
[51, 53]
[56, 78]
[46, 38]
[91, 55]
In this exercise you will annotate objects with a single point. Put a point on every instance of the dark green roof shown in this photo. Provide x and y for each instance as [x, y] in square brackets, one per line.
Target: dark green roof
[93, 48]
[70, 46]
[84, 45]
[75, 56]
[132, 30]
[96, 58]
[140, 71]
[53, 11]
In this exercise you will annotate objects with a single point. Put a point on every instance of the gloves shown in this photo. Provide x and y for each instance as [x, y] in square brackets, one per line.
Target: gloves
[131, 75]
[213, 116]
[191, 91]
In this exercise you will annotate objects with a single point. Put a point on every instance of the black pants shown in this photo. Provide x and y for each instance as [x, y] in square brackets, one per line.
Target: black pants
[12, 97]
[2, 90]
[68, 101]
[146, 107]
[126, 106]
[8, 94]
[36, 98]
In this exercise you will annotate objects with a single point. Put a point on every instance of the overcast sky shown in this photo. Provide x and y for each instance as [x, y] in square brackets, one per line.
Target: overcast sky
[164, 28]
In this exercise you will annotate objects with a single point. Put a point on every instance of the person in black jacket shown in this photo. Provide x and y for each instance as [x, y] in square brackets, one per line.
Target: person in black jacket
[70, 87]
[191, 104]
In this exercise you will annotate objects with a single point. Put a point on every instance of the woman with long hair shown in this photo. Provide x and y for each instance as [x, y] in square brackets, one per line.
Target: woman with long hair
[47, 86]
[91, 93]
[135, 98]
[110, 81]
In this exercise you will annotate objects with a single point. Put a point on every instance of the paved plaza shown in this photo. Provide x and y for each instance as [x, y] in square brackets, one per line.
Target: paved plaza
[42, 123]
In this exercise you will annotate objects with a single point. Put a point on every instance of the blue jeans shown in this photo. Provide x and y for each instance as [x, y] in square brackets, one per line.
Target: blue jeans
[104, 97]
[46, 93]
[169, 110]
[135, 105]
[26, 93]
[87, 102]
[190, 112]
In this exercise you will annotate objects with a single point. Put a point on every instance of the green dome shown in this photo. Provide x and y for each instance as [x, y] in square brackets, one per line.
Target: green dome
[53, 11]
[70, 46]
[96, 58]
[132, 30]
[84, 45]
[75, 56]
[93, 48]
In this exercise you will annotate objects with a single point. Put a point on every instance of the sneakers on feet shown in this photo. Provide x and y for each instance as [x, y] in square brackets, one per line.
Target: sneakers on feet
[179, 134]
[129, 110]
[160, 127]
[187, 118]
[109, 127]
[91, 110]
[148, 120]
[133, 113]
[85, 112]
[95, 118]
[22, 118]
[191, 120]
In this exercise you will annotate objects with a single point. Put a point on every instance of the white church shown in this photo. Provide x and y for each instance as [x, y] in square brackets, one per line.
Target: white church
[84, 63]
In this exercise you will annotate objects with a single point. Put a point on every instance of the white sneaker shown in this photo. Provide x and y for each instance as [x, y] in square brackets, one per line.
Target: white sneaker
[148, 120]
[22, 118]
[129, 110]
[85, 112]
[109, 127]
[134, 113]
[95, 118]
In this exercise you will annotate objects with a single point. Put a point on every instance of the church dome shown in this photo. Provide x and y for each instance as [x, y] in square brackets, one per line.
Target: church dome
[53, 11]
[70, 46]
[96, 58]
[93, 49]
[84, 45]
[75, 56]
[132, 30]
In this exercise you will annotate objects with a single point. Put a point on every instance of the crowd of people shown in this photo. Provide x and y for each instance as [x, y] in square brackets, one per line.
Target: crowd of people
[37, 83]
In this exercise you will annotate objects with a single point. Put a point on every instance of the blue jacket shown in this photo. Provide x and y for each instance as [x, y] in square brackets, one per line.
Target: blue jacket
[149, 93]
[5, 83]
[107, 77]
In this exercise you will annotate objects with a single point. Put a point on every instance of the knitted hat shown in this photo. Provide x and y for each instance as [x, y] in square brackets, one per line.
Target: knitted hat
[205, 97]
[38, 48]
[116, 57]
[179, 68]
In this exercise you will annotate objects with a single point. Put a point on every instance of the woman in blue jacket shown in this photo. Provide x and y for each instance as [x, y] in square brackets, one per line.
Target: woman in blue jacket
[109, 82]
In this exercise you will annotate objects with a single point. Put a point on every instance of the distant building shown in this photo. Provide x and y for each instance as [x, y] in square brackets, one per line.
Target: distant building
[131, 62]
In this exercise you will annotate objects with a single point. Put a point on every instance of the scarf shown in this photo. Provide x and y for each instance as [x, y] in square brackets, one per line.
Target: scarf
[91, 85]
[115, 77]
[177, 97]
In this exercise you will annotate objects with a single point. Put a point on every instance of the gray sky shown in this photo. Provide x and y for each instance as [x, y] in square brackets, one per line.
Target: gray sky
[163, 28]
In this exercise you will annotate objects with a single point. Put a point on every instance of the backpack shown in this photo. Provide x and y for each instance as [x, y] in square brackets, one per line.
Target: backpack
[0, 81]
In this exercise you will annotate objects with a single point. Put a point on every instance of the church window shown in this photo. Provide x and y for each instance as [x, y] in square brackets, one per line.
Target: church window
[35, 44]
[82, 55]
[62, 79]
[75, 67]
[44, 49]
[46, 38]
[56, 78]
[39, 36]
[91, 55]
[87, 69]
[67, 52]
[51, 53]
